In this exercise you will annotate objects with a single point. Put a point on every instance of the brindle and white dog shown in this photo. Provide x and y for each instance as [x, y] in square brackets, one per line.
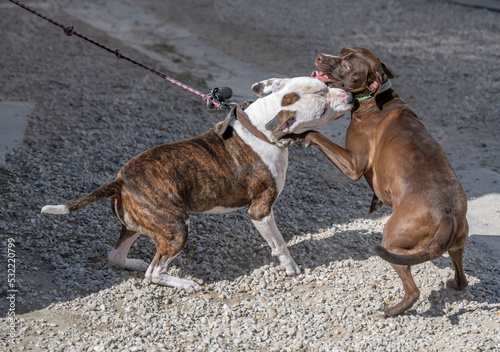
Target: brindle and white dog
[154, 192]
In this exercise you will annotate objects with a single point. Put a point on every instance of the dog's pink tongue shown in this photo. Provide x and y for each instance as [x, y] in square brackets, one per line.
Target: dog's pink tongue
[321, 76]
[285, 127]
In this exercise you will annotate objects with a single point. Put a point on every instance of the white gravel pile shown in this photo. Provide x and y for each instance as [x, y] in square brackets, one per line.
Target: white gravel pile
[93, 113]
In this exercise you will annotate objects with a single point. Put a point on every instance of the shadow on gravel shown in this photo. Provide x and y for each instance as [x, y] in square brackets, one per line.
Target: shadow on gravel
[477, 264]
[357, 245]
[350, 244]
[224, 247]
[251, 252]
[478, 293]
[44, 280]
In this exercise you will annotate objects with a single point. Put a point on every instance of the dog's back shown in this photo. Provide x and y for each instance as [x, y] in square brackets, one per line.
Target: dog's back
[404, 170]
[197, 174]
[412, 174]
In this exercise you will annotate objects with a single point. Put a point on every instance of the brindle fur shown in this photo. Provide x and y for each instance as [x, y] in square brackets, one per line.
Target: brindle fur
[147, 197]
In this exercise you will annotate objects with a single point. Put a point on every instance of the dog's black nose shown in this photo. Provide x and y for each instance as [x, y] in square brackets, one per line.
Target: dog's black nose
[349, 97]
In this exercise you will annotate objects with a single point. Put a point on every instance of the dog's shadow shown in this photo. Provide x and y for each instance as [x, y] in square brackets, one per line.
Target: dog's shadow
[228, 256]
[443, 298]
[337, 245]
[217, 251]
[483, 290]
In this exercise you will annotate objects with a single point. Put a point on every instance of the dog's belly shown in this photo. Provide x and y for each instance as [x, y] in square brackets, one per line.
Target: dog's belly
[220, 210]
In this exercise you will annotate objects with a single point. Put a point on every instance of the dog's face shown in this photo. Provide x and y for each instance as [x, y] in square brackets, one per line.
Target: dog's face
[354, 69]
[304, 103]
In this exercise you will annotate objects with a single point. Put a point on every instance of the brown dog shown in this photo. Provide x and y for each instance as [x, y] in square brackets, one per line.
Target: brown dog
[402, 163]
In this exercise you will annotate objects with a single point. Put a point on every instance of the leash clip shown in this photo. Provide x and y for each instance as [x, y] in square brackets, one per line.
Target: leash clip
[216, 99]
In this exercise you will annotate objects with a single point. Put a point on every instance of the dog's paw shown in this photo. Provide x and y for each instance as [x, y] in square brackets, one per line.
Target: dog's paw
[167, 280]
[190, 286]
[287, 263]
[292, 270]
[285, 143]
[289, 140]
[136, 264]
[452, 284]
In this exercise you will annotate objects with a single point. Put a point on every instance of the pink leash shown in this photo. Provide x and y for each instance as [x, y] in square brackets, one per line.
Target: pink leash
[215, 99]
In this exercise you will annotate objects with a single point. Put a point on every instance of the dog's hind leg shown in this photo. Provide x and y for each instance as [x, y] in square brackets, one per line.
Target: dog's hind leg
[412, 293]
[394, 240]
[456, 252]
[169, 244]
[118, 255]
[268, 229]
[460, 281]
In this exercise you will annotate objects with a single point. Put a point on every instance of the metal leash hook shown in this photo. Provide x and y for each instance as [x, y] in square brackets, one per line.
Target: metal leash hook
[216, 99]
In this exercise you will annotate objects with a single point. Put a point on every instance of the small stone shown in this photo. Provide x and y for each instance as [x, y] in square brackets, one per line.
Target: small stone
[272, 313]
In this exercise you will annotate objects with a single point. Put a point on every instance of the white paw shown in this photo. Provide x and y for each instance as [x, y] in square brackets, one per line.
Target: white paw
[182, 284]
[190, 286]
[291, 268]
[285, 143]
[281, 144]
[136, 264]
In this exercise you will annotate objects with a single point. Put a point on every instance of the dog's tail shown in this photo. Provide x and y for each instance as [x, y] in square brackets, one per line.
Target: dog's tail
[110, 190]
[434, 249]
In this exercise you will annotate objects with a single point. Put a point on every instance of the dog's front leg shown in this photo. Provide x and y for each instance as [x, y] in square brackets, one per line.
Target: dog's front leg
[351, 164]
[268, 229]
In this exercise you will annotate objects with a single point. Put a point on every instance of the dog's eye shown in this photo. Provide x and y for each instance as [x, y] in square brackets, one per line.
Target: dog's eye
[345, 65]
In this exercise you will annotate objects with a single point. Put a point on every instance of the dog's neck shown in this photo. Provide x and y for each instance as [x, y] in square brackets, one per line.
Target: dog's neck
[275, 158]
[261, 112]
[367, 95]
[386, 99]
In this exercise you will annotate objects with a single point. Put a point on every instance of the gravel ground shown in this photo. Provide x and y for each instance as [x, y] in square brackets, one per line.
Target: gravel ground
[93, 113]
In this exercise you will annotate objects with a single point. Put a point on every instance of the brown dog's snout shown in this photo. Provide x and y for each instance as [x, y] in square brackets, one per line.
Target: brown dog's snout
[320, 59]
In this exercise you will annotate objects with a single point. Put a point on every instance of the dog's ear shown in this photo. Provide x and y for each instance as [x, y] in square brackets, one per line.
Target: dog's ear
[268, 86]
[374, 83]
[279, 120]
[376, 78]
[387, 70]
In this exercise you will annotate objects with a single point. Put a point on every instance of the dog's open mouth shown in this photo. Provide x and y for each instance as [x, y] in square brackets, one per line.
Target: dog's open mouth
[321, 76]
[286, 126]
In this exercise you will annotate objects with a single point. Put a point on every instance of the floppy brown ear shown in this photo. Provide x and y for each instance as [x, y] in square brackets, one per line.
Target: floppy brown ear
[387, 70]
[374, 83]
[279, 120]
[375, 79]
[262, 88]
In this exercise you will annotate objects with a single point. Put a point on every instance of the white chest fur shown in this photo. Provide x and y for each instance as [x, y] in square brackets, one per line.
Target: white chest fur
[275, 158]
